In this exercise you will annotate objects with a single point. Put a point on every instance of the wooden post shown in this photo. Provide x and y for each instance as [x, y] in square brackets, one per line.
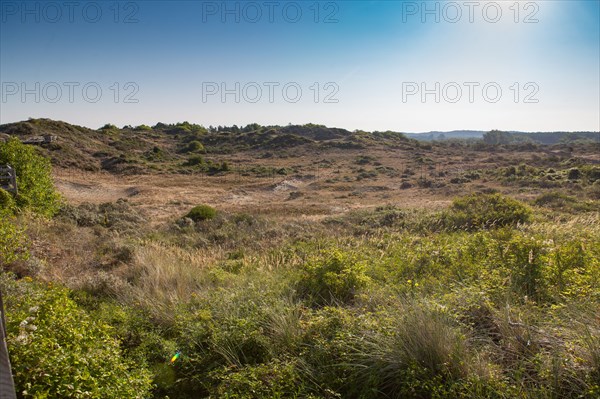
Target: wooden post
[8, 174]
[7, 386]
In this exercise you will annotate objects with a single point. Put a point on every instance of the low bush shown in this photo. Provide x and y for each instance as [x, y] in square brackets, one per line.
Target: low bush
[7, 202]
[334, 277]
[13, 241]
[477, 211]
[118, 216]
[555, 200]
[421, 354]
[574, 174]
[34, 177]
[275, 379]
[58, 350]
[202, 212]
[194, 146]
[194, 160]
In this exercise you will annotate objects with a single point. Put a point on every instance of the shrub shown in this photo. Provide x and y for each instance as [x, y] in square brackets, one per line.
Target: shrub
[119, 216]
[478, 211]
[109, 126]
[574, 174]
[592, 173]
[333, 277]
[556, 200]
[13, 241]
[34, 178]
[7, 202]
[271, 380]
[421, 355]
[58, 350]
[194, 146]
[202, 212]
[194, 161]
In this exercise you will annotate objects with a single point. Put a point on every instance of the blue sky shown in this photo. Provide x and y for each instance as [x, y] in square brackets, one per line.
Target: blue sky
[372, 65]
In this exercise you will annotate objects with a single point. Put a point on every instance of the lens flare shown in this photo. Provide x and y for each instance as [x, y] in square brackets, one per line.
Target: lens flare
[175, 357]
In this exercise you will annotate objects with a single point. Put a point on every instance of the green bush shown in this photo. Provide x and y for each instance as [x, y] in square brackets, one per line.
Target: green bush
[478, 211]
[422, 354]
[194, 146]
[7, 202]
[34, 177]
[58, 350]
[271, 380]
[194, 160]
[334, 277]
[109, 126]
[13, 241]
[565, 203]
[202, 212]
[555, 200]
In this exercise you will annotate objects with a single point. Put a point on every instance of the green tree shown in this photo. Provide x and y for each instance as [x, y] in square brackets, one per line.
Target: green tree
[34, 177]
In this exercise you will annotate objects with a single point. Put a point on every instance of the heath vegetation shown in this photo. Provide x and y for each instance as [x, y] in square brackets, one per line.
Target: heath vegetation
[362, 271]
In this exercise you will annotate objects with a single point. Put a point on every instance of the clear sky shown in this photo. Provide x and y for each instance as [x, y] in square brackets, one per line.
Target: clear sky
[372, 65]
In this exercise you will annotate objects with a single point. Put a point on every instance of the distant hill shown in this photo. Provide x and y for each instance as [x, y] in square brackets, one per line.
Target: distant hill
[454, 134]
[185, 147]
[181, 146]
[547, 138]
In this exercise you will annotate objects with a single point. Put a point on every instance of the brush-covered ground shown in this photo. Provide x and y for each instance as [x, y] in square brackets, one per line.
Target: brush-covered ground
[327, 264]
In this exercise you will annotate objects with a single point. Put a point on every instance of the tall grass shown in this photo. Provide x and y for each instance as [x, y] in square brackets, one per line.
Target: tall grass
[163, 276]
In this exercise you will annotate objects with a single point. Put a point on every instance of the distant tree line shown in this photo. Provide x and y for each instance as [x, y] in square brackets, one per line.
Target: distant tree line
[496, 137]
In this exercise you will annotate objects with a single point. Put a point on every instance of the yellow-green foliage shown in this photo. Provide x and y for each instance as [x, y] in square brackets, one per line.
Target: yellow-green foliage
[486, 210]
[194, 146]
[7, 202]
[13, 241]
[275, 379]
[34, 179]
[58, 351]
[202, 212]
[333, 277]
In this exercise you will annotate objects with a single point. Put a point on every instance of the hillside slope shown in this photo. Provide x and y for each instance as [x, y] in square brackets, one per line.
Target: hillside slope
[175, 147]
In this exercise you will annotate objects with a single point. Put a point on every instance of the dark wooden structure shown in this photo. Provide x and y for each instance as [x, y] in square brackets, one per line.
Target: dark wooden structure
[8, 179]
